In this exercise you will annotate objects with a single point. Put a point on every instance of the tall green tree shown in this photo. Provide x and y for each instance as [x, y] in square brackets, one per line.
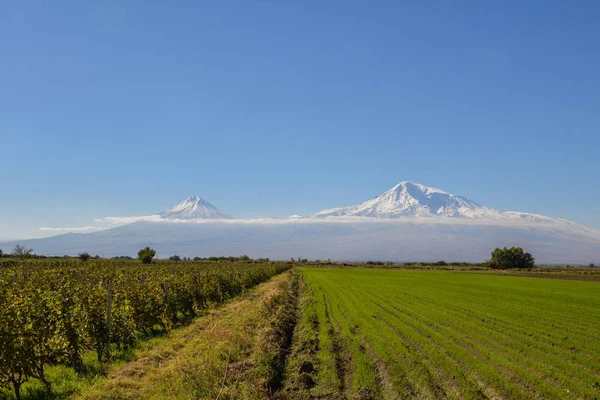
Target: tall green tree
[511, 258]
[146, 255]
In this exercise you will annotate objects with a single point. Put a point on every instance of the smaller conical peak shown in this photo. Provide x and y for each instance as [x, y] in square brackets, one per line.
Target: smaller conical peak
[194, 207]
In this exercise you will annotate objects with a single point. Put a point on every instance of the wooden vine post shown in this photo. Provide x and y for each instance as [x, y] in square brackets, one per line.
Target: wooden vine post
[108, 317]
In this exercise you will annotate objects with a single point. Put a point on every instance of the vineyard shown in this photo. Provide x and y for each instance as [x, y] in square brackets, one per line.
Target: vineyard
[54, 311]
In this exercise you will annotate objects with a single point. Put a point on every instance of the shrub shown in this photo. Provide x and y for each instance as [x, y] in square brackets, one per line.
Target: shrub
[511, 258]
[22, 251]
[146, 255]
[592, 265]
[175, 258]
[84, 256]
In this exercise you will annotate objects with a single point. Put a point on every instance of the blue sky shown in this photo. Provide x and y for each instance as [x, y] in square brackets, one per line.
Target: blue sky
[278, 108]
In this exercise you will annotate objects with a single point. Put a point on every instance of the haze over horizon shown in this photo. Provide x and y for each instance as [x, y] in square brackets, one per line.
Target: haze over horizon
[268, 110]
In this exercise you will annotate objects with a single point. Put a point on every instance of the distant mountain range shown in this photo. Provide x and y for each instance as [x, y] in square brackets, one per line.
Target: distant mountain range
[408, 222]
[405, 200]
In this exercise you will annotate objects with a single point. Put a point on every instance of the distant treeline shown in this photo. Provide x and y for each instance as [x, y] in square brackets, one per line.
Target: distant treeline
[21, 252]
[425, 264]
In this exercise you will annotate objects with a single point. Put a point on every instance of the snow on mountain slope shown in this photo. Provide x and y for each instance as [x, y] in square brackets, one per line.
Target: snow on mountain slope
[408, 199]
[194, 207]
[532, 217]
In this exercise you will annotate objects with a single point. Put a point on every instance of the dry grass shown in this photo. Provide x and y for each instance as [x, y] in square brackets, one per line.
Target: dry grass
[222, 355]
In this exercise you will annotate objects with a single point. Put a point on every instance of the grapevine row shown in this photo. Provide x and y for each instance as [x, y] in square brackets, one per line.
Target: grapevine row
[51, 312]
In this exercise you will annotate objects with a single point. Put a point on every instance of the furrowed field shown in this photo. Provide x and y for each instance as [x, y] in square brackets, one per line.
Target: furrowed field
[372, 333]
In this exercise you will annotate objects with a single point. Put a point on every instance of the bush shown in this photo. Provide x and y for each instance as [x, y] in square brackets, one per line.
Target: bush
[175, 258]
[1, 253]
[22, 251]
[84, 256]
[592, 265]
[146, 255]
[511, 258]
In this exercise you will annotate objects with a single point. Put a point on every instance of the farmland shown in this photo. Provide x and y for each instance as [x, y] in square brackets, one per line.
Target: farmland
[106, 329]
[372, 333]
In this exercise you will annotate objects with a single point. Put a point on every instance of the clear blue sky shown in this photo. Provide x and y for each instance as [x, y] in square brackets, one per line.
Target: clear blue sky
[276, 108]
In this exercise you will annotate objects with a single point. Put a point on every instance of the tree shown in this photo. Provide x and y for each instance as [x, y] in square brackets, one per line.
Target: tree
[1, 253]
[175, 258]
[511, 258]
[84, 256]
[22, 251]
[146, 255]
[592, 265]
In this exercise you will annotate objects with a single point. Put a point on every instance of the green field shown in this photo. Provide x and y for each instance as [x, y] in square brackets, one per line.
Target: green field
[372, 333]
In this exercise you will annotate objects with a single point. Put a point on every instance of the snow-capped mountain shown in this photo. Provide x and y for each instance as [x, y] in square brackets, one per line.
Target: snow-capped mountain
[408, 222]
[194, 207]
[408, 199]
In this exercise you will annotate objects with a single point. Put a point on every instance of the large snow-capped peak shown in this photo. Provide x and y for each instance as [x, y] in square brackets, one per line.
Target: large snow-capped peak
[409, 199]
[194, 207]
